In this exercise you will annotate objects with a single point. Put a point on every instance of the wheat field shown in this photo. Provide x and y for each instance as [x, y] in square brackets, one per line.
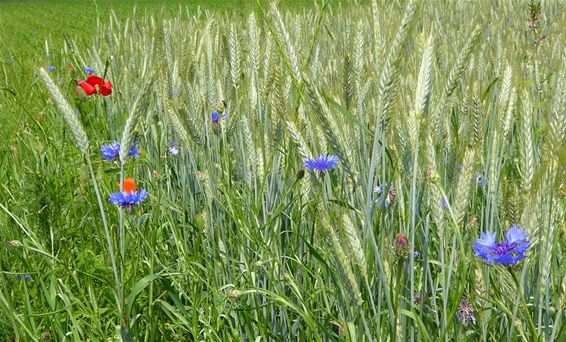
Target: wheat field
[447, 120]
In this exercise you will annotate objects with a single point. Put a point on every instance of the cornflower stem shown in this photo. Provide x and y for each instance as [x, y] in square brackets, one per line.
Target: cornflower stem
[108, 239]
[524, 305]
[122, 240]
[122, 243]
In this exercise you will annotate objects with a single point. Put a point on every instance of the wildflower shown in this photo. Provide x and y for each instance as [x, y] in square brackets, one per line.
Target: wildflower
[389, 199]
[480, 179]
[466, 313]
[444, 203]
[112, 151]
[174, 148]
[128, 197]
[507, 252]
[216, 117]
[27, 277]
[51, 68]
[402, 245]
[96, 85]
[322, 163]
[89, 71]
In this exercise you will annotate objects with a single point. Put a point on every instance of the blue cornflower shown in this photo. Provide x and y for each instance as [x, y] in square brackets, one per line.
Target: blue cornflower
[129, 197]
[112, 151]
[444, 203]
[507, 252]
[128, 200]
[89, 71]
[51, 68]
[322, 163]
[216, 117]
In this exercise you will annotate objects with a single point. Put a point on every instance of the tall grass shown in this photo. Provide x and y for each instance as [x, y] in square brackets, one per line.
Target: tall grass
[452, 112]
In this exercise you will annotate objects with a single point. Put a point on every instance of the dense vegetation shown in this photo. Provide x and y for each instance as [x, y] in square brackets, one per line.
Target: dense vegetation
[448, 122]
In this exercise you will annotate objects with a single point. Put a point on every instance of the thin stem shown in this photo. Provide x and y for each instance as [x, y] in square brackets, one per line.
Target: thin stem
[524, 305]
[108, 239]
[122, 240]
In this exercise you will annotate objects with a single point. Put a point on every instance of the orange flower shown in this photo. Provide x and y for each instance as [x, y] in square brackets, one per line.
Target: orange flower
[129, 185]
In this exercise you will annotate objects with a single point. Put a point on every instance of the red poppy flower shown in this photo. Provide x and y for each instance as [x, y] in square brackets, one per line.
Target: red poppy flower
[95, 84]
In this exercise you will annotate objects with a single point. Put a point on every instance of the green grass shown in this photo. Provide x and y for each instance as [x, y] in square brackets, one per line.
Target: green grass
[236, 241]
[25, 26]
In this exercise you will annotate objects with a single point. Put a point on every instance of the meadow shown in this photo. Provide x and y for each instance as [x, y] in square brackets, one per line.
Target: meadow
[369, 171]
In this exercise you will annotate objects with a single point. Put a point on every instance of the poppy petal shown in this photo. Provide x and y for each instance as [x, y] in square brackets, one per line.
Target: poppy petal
[106, 88]
[95, 80]
[88, 88]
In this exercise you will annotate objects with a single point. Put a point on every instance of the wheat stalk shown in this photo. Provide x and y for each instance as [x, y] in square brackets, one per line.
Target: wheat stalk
[234, 53]
[77, 129]
[455, 76]
[355, 245]
[342, 261]
[463, 187]
[526, 146]
[508, 118]
[128, 134]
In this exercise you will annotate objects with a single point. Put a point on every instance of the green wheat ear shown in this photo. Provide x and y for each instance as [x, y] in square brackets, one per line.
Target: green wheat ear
[81, 139]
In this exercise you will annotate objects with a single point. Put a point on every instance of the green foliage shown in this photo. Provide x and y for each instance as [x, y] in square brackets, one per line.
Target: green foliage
[447, 117]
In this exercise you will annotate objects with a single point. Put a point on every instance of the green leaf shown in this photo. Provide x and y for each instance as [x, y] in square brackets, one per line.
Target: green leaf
[418, 320]
[136, 289]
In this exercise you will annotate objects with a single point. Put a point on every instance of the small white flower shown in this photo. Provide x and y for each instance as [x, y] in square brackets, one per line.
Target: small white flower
[174, 149]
